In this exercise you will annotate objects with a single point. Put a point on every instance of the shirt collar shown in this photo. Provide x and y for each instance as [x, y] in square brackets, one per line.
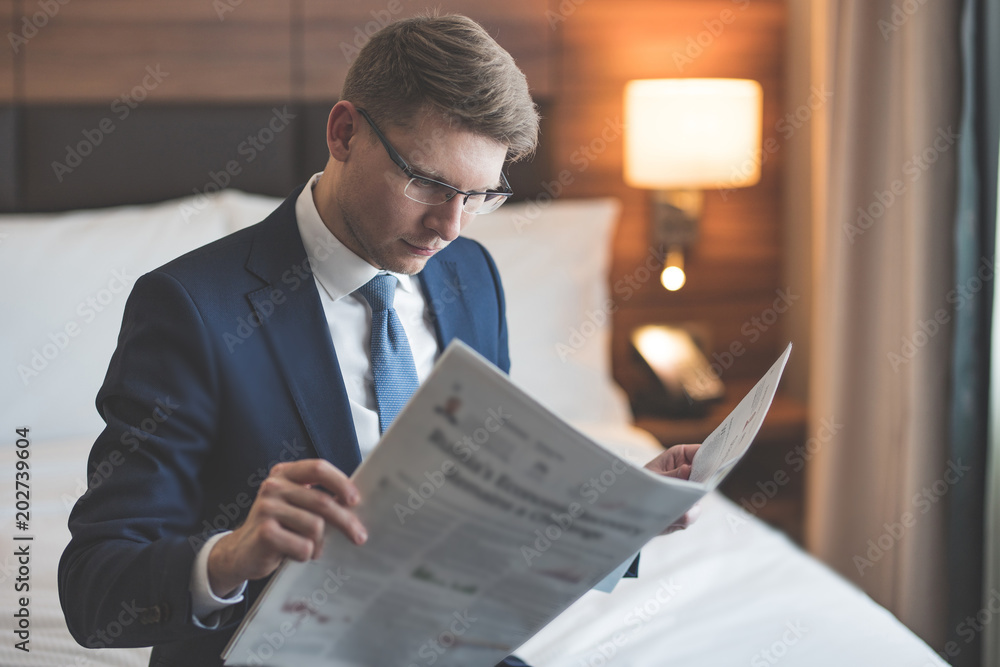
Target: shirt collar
[338, 269]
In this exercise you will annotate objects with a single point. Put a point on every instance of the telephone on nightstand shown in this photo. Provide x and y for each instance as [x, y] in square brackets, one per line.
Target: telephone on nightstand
[682, 381]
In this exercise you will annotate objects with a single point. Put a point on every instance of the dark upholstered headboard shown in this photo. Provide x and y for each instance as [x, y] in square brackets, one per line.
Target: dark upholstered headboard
[62, 157]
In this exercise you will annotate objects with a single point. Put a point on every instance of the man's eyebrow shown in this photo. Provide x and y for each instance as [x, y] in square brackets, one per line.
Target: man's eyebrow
[438, 176]
[426, 171]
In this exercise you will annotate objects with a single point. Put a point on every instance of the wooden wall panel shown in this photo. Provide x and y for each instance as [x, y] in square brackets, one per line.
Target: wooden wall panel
[734, 271]
[9, 18]
[332, 33]
[578, 55]
[100, 49]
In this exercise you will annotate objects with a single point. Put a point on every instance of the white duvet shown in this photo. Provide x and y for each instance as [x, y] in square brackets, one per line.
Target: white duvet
[727, 591]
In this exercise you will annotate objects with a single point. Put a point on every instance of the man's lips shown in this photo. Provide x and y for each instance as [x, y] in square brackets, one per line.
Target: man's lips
[422, 250]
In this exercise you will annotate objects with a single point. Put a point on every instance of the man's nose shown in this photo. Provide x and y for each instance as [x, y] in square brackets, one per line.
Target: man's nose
[446, 218]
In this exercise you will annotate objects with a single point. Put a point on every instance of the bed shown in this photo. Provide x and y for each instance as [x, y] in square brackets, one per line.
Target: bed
[728, 591]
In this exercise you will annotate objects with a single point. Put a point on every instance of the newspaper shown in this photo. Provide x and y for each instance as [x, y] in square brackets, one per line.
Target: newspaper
[487, 516]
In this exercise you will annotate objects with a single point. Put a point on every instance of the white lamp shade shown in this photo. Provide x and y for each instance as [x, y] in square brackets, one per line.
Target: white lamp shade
[692, 133]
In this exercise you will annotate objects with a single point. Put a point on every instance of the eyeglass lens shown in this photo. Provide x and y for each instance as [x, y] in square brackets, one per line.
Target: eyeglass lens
[431, 193]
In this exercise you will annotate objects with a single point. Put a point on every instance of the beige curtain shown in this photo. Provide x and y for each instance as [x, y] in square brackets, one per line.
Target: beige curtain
[884, 151]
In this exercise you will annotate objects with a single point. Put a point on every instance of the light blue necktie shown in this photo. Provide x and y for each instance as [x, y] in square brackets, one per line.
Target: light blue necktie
[392, 361]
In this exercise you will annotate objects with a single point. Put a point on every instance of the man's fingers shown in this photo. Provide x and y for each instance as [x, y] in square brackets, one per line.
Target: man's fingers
[289, 516]
[673, 459]
[323, 505]
[681, 472]
[685, 453]
[281, 540]
[319, 472]
[304, 510]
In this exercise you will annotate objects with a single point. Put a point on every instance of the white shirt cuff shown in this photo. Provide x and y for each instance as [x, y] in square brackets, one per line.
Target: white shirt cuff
[205, 604]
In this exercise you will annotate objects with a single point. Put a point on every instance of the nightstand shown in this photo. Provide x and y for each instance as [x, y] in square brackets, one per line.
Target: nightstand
[770, 480]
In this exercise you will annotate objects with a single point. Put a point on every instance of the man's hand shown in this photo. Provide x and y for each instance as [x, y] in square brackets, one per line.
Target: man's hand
[676, 462]
[287, 519]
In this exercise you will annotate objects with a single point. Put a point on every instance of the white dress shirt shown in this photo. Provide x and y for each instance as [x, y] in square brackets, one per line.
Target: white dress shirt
[338, 273]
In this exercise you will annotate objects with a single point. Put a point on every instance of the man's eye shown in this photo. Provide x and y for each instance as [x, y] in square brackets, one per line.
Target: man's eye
[424, 183]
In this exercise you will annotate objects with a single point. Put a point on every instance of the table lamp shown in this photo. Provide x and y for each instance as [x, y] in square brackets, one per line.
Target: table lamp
[681, 137]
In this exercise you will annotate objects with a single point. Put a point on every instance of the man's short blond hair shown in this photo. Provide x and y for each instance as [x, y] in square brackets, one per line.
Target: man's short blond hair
[450, 64]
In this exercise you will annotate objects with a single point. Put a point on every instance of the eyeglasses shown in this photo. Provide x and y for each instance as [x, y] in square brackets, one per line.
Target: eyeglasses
[428, 191]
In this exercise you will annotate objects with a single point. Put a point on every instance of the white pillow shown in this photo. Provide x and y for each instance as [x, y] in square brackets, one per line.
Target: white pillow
[554, 261]
[243, 208]
[69, 274]
[67, 277]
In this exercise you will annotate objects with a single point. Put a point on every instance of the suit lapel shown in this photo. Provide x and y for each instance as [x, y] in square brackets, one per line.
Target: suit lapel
[298, 335]
[445, 295]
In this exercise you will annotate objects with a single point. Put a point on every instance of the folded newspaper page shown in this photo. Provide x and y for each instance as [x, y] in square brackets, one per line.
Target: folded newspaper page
[487, 516]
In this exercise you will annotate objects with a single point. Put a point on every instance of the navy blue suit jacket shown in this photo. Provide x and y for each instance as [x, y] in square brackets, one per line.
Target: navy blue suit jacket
[224, 367]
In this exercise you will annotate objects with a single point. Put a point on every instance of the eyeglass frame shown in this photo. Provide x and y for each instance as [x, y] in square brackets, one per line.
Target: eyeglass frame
[402, 164]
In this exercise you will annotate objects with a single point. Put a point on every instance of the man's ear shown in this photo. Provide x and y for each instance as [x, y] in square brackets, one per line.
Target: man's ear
[341, 127]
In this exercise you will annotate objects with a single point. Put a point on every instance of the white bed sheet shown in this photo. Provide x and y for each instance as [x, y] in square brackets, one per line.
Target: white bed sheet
[738, 585]
[720, 593]
[729, 590]
[58, 471]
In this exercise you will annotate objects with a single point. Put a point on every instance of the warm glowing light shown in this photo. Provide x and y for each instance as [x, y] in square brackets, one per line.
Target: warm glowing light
[692, 133]
[663, 347]
[673, 278]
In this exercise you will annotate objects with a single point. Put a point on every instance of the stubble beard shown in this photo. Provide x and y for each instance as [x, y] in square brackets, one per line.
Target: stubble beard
[374, 255]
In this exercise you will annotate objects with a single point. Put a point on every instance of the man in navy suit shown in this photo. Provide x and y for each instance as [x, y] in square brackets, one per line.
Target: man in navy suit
[240, 397]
